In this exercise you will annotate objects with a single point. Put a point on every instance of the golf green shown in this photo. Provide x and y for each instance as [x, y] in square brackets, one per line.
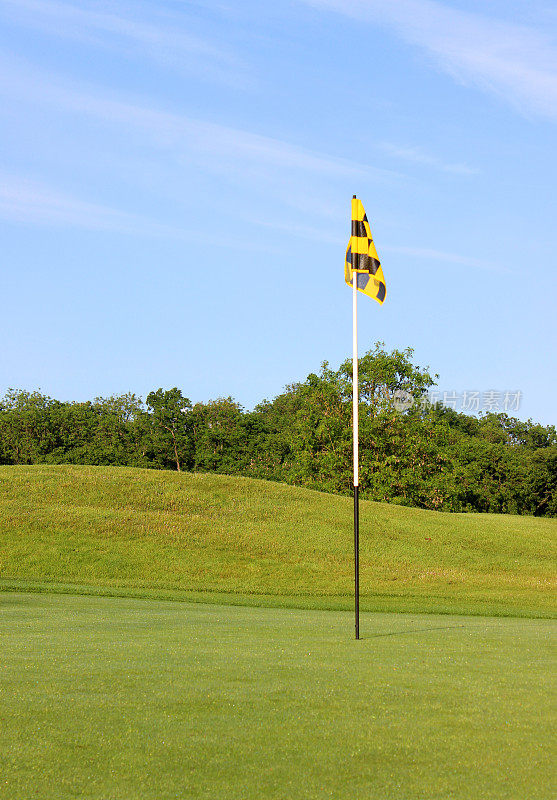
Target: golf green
[117, 699]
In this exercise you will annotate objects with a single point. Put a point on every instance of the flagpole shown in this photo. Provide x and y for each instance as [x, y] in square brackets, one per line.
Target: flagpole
[355, 401]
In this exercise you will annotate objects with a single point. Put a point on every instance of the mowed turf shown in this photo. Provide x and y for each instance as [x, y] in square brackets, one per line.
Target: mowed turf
[117, 699]
[216, 537]
[228, 539]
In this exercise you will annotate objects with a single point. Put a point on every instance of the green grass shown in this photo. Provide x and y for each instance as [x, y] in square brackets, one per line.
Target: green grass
[226, 539]
[117, 698]
[126, 699]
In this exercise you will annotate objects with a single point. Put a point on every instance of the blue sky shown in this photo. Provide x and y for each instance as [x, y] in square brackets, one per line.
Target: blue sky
[175, 184]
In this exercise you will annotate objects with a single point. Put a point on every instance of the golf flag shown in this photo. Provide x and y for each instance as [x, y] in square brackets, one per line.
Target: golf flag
[361, 256]
[362, 261]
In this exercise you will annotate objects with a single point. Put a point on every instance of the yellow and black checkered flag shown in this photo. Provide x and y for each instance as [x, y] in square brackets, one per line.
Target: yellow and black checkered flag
[362, 258]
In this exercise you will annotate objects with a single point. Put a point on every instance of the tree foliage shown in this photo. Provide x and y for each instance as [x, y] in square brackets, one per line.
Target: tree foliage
[170, 426]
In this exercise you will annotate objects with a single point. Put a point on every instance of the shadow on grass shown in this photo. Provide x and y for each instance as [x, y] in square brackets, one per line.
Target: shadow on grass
[410, 631]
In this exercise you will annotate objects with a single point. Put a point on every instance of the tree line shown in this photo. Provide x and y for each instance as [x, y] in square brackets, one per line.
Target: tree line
[428, 456]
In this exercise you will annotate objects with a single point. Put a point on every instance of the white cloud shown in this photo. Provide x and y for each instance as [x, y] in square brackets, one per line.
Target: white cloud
[218, 146]
[416, 155]
[323, 235]
[163, 40]
[516, 62]
[30, 202]
[431, 254]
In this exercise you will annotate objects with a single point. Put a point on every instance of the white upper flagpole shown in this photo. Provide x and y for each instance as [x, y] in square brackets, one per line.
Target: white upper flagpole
[355, 403]
[355, 386]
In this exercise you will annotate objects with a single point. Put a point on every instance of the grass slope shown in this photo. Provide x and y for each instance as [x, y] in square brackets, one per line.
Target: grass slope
[162, 534]
[132, 700]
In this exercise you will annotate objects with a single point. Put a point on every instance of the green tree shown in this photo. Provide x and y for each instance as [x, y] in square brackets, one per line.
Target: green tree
[169, 410]
[225, 437]
[542, 482]
[26, 433]
[382, 375]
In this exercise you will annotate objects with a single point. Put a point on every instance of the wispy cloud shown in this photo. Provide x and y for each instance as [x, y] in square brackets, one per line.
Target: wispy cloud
[422, 253]
[515, 62]
[163, 39]
[416, 155]
[31, 202]
[302, 231]
[219, 146]
[431, 254]
[27, 201]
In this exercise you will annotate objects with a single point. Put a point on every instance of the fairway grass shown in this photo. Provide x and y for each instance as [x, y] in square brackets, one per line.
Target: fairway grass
[125, 699]
[216, 538]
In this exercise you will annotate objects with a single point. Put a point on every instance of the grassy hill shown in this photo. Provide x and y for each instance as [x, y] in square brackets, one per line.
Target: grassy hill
[227, 539]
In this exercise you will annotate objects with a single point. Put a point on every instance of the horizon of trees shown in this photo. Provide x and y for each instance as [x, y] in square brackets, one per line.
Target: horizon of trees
[428, 456]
